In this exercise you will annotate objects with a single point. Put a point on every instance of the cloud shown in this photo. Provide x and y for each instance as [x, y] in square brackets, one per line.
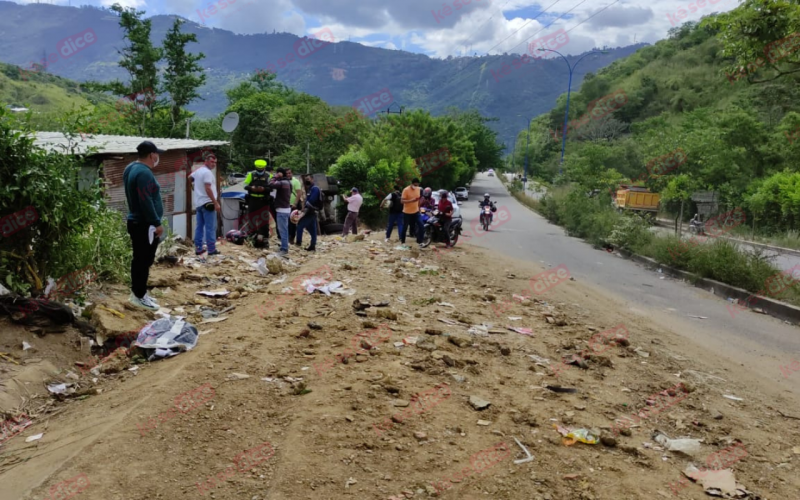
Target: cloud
[241, 16]
[621, 17]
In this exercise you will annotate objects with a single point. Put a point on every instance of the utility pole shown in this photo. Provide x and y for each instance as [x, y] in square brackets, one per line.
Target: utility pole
[308, 165]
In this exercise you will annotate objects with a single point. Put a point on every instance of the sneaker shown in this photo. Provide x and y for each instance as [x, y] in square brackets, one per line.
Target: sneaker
[283, 253]
[386, 240]
[310, 249]
[215, 252]
[145, 302]
[150, 297]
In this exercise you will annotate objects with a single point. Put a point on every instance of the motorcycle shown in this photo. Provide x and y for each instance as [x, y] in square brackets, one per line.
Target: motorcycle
[434, 230]
[486, 215]
[697, 227]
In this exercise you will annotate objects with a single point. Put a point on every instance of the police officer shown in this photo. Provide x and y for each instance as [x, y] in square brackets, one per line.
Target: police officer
[258, 202]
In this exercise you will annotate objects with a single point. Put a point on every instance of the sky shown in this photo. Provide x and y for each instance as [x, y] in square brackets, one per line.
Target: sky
[452, 28]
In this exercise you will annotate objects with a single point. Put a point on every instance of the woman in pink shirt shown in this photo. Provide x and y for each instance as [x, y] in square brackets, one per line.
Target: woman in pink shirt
[354, 202]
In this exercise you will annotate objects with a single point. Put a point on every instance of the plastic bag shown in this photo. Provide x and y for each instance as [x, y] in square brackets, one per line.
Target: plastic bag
[171, 333]
[571, 436]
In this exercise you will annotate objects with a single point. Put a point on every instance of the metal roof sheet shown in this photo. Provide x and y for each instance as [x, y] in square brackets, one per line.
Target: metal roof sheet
[114, 144]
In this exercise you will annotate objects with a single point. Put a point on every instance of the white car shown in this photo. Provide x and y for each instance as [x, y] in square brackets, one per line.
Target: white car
[453, 200]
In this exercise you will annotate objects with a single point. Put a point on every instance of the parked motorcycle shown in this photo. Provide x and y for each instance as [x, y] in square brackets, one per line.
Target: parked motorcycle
[486, 216]
[434, 229]
[697, 227]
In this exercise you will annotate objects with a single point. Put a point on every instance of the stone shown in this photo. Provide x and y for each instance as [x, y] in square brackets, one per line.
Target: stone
[400, 403]
[484, 422]
[505, 351]
[460, 341]
[420, 436]
[479, 403]
[433, 331]
[608, 441]
[386, 313]
[716, 415]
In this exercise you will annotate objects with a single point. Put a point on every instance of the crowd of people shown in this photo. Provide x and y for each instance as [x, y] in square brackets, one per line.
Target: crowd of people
[292, 204]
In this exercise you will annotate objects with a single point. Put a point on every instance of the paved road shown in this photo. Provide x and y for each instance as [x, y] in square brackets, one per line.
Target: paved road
[759, 342]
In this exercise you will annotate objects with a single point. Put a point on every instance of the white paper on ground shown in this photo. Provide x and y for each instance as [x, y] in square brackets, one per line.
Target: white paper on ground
[34, 438]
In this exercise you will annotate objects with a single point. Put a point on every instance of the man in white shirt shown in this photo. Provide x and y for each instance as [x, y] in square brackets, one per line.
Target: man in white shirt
[354, 202]
[204, 192]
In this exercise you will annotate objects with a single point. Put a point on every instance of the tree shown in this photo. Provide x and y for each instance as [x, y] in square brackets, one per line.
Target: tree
[183, 75]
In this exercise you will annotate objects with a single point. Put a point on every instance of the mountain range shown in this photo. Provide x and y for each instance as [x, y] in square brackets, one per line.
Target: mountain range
[340, 72]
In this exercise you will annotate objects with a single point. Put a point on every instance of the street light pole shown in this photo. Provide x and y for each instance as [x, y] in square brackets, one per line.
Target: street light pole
[569, 90]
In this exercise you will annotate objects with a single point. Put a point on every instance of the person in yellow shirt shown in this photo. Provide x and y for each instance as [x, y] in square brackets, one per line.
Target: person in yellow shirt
[411, 218]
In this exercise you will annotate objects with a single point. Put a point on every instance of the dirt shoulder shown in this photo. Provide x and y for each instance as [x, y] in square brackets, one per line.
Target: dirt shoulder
[382, 421]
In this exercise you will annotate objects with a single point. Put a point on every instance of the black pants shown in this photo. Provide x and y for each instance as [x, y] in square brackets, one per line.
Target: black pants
[292, 231]
[144, 254]
[446, 223]
[411, 224]
[255, 207]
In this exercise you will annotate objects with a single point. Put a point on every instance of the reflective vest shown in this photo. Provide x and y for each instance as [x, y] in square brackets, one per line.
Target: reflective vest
[259, 179]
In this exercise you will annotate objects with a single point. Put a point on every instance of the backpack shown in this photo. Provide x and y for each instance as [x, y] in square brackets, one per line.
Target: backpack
[395, 205]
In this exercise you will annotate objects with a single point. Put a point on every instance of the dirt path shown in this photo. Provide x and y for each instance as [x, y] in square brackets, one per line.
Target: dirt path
[335, 442]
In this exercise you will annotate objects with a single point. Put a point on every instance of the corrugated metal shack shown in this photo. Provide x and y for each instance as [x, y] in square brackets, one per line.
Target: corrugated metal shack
[182, 157]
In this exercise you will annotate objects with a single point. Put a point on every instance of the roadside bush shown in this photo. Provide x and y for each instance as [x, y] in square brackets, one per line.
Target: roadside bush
[585, 217]
[631, 231]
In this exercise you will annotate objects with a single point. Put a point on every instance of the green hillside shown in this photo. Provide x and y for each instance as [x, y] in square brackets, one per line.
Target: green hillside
[41, 92]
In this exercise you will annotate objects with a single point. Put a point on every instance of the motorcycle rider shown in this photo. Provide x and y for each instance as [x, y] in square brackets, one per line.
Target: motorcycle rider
[445, 215]
[488, 202]
[257, 186]
[696, 224]
[427, 202]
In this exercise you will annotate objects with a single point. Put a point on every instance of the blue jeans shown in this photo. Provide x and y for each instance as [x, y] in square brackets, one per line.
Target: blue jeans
[206, 226]
[308, 222]
[283, 230]
[395, 219]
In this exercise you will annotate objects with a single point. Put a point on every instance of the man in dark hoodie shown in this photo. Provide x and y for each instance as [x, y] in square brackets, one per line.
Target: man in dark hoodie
[145, 211]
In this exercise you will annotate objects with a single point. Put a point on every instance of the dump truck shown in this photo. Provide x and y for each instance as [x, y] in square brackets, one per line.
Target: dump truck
[636, 199]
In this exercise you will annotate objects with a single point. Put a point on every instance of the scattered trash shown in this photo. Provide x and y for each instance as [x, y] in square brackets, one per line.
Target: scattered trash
[698, 317]
[37, 437]
[520, 298]
[522, 331]
[313, 285]
[642, 353]
[481, 330]
[168, 337]
[26, 346]
[112, 311]
[528, 456]
[572, 436]
[238, 376]
[278, 281]
[732, 397]
[410, 340]
[515, 318]
[57, 388]
[484, 422]
[399, 344]
[448, 321]
[721, 482]
[446, 304]
[538, 359]
[4, 290]
[687, 446]
[558, 388]
[213, 293]
[213, 320]
[261, 266]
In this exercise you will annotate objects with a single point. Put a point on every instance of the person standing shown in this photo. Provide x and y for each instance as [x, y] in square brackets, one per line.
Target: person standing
[143, 194]
[283, 208]
[411, 219]
[256, 184]
[353, 206]
[312, 206]
[295, 201]
[271, 200]
[446, 213]
[392, 200]
[206, 203]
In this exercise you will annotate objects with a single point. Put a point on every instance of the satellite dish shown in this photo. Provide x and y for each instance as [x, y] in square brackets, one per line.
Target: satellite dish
[230, 122]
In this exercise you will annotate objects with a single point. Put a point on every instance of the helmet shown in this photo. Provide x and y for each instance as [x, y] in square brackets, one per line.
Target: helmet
[235, 237]
[486, 195]
[442, 192]
[427, 192]
[260, 164]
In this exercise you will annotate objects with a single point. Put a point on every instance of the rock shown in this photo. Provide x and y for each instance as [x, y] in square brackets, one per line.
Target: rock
[400, 403]
[349, 418]
[625, 431]
[459, 378]
[361, 304]
[391, 389]
[716, 415]
[162, 282]
[238, 376]
[386, 313]
[448, 360]
[642, 353]
[314, 326]
[460, 341]
[275, 265]
[420, 436]
[484, 422]
[304, 333]
[433, 331]
[234, 295]
[426, 345]
[352, 238]
[608, 441]
[360, 358]
[366, 345]
[478, 403]
[437, 355]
